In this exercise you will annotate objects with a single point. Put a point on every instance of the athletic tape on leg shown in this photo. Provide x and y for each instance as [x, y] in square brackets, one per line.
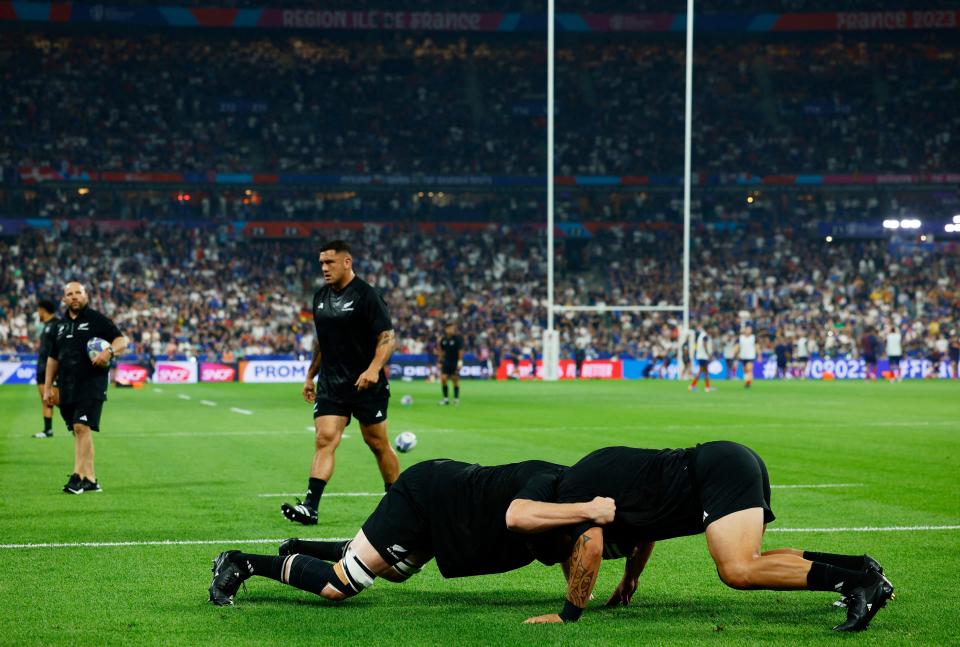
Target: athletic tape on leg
[360, 576]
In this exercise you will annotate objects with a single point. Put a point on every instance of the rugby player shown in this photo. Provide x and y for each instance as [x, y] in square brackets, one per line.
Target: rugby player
[355, 339]
[47, 313]
[720, 488]
[451, 351]
[446, 510]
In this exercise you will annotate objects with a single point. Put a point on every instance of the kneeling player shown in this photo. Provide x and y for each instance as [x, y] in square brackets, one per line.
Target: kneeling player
[720, 488]
[447, 510]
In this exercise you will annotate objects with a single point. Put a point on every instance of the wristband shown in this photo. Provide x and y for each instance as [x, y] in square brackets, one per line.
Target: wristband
[571, 612]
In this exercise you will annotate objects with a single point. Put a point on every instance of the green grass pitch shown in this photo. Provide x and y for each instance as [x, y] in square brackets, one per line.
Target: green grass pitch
[179, 469]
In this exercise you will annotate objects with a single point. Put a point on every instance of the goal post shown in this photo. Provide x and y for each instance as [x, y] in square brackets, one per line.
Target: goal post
[551, 337]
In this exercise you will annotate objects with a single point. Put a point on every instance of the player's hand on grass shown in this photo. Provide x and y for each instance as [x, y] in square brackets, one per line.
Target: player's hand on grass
[623, 593]
[602, 510]
[367, 379]
[103, 359]
[309, 391]
[539, 620]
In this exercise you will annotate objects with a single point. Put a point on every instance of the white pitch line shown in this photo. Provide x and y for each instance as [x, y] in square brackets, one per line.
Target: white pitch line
[325, 494]
[867, 529]
[208, 403]
[234, 542]
[156, 390]
[245, 412]
[811, 486]
[183, 396]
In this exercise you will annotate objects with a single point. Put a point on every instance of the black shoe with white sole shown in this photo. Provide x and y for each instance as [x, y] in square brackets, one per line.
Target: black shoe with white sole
[227, 578]
[869, 564]
[864, 602]
[44, 434]
[299, 513]
[90, 486]
[74, 485]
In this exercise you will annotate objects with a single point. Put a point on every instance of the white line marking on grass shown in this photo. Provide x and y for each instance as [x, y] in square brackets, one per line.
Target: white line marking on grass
[244, 412]
[234, 542]
[325, 494]
[866, 529]
[183, 396]
[208, 403]
[164, 542]
[812, 486]
[156, 390]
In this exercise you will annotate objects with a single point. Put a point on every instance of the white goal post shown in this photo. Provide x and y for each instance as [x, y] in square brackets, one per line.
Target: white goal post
[551, 338]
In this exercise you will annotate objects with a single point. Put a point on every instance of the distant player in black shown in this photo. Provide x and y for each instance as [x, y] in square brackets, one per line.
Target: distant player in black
[47, 313]
[451, 361]
[83, 382]
[443, 509]
[721, 488]
[354, 342]
[784, 352]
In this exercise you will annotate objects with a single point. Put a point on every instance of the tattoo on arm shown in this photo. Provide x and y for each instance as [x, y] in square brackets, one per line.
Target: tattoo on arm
[384, 338]
[583, 573]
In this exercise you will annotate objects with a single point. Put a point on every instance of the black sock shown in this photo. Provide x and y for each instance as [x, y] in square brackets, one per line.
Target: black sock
[456, 392]
[824, 577]
[446, 391]
[263, 565]
[314, 492]
[313, 575]
[330, 551]
[47, 423]
[852, 562]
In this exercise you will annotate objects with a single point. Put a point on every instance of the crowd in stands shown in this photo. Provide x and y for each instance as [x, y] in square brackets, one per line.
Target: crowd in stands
[769, 206]
[468, 105]
[204, 290]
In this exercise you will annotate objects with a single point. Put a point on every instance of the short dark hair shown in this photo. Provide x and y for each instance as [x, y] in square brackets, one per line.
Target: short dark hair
[47, 305]
[335, 246]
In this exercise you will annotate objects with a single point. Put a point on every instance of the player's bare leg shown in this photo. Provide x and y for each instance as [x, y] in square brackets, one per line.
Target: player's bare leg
[375, 436]
[328, 431]
[83, 452]
[734, 542]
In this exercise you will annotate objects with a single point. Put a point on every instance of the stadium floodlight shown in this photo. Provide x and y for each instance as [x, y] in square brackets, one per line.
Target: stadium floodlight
[891, 224]
[910, 223]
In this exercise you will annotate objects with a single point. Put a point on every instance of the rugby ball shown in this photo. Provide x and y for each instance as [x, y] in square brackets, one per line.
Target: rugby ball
[96, 346]
[406, 400]
[405, 442]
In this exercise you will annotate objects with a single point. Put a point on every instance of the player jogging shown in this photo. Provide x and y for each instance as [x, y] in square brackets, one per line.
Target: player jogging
[720, 488]
[451, 361]
[83, 382]
[730, 354]
[703, 351]
[747, 352]
[47, 313]
[354, 342]
[448, 510]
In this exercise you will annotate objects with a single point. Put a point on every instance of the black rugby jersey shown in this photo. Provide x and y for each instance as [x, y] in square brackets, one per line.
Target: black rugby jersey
[450, 347]
[348, 323]
[79, 379]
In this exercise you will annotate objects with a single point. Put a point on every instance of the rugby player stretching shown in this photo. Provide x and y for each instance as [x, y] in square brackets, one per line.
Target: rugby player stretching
[721, 488]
